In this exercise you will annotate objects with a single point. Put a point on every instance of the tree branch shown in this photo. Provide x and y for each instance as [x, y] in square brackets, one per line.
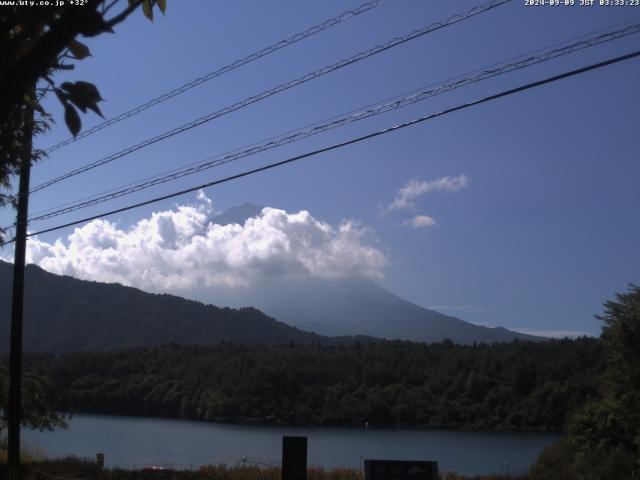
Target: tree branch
[124, 14]
[106, 8]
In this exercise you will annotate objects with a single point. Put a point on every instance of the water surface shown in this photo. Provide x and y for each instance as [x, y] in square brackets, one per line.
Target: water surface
[133, 442]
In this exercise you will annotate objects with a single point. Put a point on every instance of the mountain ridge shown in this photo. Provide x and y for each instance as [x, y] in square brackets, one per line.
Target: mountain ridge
[64, 314]
[346, 306]
[356, 306]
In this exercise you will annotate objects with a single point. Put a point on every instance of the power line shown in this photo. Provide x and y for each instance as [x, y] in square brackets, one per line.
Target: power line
[280, 88]
[584, 38]
[221, 71]
[369, 136]
[494, 70]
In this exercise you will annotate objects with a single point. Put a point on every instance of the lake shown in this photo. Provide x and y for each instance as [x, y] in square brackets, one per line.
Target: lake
[132, 442]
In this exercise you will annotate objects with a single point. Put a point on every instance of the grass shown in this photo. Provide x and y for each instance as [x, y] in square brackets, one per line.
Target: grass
[28, 454]
[73, 468]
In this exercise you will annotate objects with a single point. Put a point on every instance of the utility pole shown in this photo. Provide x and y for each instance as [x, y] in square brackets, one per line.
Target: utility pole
[14, 411]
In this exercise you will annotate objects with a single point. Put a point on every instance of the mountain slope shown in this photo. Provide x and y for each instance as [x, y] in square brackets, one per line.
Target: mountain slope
[65, 314]
[351, 306]
[347, 306]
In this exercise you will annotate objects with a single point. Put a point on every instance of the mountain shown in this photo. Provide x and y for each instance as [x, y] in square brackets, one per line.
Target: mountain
[65, 314]
[238, 214]
[347, 306]
[353, 306]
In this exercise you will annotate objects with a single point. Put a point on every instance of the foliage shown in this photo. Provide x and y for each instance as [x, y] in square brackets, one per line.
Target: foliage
[554, 463]
[603, 438]
[28, 454]
[455, 476]
[621, 337]
[516, 386]
[42, 402]
[36, 42]
[80, 468]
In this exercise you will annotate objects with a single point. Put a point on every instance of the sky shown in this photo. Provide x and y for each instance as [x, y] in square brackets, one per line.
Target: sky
[520, 212]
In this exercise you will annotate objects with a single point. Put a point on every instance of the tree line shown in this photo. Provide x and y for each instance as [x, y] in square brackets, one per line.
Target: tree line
[514, 386]
[588, 388]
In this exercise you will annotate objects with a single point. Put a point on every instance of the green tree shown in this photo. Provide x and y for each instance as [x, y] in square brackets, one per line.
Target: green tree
[621, 337]
[42, 402]
[35, 43]
[613, 424]
[603, 438]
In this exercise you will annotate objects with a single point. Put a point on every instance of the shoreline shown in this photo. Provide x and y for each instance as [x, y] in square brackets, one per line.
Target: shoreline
[259, 423]
[130, 441]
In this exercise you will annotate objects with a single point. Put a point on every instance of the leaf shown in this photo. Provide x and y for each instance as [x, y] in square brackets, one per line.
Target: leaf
[162, 5]
[79, 49]
[38, 108]
[67, 86]
[72, 119]
[61, 95]
[88, 90]
[147, 9]
[94, 108]
[83, 95]
[84, 89]
[93, 24]
[78, 102]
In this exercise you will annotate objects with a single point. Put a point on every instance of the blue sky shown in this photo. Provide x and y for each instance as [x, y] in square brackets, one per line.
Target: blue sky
[544, 229]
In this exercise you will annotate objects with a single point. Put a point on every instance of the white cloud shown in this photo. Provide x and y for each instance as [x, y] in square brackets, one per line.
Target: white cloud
[180, 249]
[420, 221]
[207, 203]
[407, 195]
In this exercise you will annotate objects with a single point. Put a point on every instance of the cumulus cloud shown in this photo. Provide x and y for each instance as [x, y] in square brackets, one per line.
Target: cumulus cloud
[420, 221]
[181, 249]
[415, 188]
[206, 202]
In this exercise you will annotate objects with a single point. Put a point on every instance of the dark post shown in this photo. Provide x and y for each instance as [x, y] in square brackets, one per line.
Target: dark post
[294, 458]
[15, 357]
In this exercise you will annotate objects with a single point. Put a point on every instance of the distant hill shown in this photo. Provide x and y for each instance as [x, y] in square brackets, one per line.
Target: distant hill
[353, 306]
[348, 306]
[65, 314]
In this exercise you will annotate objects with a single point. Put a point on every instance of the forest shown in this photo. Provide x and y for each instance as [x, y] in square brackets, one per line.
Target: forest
[515, 386]
[588, 388]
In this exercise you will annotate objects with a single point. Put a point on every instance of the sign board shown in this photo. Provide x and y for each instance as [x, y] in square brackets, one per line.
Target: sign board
[294, 458]
[400, 470]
